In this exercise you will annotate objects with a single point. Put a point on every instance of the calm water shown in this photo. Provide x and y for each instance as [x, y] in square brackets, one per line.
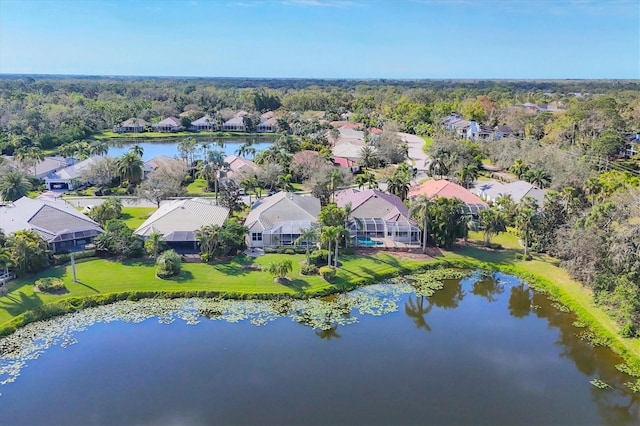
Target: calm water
[169, 147]
[480, 351]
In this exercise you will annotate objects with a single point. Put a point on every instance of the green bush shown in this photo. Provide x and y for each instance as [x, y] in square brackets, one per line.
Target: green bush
[319, 257]
[168, 264]
[289, 251]
[328, 273]
[62, 258]
[308, 269]
[50, 284]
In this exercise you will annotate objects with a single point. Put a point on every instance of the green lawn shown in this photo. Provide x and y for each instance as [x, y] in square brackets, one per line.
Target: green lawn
[197, 187]
[101, 276]
[135, 216]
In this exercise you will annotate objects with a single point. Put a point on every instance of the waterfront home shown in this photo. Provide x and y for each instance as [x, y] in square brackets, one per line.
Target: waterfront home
[278, 220]
[268, 123]
[235, 124]
[70, 177]
[206, 123]
[443, 188]
[62, 226]
[178, 222]
[132, 125]
[378, 218]
[168, 125]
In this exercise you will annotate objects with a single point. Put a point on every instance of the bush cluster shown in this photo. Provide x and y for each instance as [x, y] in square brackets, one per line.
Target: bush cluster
[50, 284]
[308, 269]
[328, 273]
[319, 257]
[168, 264]
[62, 258]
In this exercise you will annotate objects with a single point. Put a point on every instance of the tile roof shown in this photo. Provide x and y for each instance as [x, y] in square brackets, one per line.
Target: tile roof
[134, 122]
[348, 150]
[269, 212]
[183, 218]
[239, 164]
[206, 120]
[518, 190]
[235, 121]
[168, 122]
[158, 161]
[372, 203]
[47, 217]
[73, 172]
[444, 188]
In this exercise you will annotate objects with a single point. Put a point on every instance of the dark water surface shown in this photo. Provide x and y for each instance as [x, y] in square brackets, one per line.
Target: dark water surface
[169, 146]
[479, 351]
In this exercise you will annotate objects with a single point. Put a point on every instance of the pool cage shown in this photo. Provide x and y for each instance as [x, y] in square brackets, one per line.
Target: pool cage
[364, 230]
[284, 233]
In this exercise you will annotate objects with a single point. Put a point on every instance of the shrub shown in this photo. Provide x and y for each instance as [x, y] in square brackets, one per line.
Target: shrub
[168, 264]
[289, 251]
[50, 284]
[62, 258]
[328, 273]
[308, 269]
[319, 257]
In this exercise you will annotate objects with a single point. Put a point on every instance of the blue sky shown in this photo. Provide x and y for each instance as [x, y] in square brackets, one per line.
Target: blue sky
[323, 38]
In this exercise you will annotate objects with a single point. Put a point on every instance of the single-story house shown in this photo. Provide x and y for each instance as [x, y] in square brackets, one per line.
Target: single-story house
[58, 223]
[42, 168]
[178, 222]
[236, 124]
[132, 125]
[239, 165]
[443, 188]
[160, 160]
[501, 132]
[492, 190]
[207, 123]
[268, 125]
[378, 218]
[70, 177]
[168, 125]
[277, 220]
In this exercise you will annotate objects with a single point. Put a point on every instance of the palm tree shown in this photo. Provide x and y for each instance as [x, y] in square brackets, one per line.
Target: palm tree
[207, 238]
[245, 149]
[130, 167]
[341, 233]
[98, 148]
[538, 177]
[154, 244]
[526, 219]
[328, 235]
[368, 157]
[519, 168]
[214, 168]
[419, 209]
[467, 174]
[35, 155]
[399, 186]
[186, 149]
[137, 150]
[336, 177]
[493, 222]
[417, 310]
[307, 235]
[14, 185]
[280, 269]
[284, 181]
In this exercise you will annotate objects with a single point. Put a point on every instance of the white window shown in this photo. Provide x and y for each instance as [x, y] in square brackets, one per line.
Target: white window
[256, 236]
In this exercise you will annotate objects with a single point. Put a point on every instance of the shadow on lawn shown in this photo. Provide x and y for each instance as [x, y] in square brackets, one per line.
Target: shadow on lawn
[295, 284]
[15, 304]
[182, 278]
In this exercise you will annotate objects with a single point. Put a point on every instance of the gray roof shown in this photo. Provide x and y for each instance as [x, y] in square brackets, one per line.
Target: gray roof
[134, 122]
[235, 121]
[207, 120]
[51, 219]
[179, 220]
[168, 122]
[282, 207]
[519, 189]
[372, 203]
[72, 172]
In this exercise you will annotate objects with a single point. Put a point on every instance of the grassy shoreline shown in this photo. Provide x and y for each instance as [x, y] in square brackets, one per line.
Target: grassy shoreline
[109, 135]
[104, 281]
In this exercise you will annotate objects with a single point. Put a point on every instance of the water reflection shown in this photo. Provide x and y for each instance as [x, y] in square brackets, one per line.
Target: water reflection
[416, 310]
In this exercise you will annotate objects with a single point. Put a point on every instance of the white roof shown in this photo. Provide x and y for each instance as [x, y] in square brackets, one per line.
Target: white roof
[283, 207]
[50, 218]
[203, 121]
[348, 150]
[72, 172]
[179, 220]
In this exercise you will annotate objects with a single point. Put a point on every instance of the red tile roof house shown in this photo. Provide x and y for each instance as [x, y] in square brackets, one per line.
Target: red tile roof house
[443, 188]
[168, 125]
[378, 219]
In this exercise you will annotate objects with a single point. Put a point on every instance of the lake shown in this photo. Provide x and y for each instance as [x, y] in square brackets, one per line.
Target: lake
[483, 350]
[169, 146]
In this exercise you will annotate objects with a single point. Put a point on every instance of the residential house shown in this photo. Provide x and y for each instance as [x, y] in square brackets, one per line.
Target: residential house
[268, 123]
[492, 190]
[70, 177]
[235, 124]
[62, 226]
[159, 161]
[168, 125]
[501, 132]
[205, 123]
[239, 166]
[42, 168]
[378, 218]
[278, 220]
[632, 145]
[441, 188]
[178, 222]
[132, 125]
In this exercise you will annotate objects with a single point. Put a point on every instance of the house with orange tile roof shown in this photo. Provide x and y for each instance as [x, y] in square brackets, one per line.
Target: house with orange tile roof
[443, 188]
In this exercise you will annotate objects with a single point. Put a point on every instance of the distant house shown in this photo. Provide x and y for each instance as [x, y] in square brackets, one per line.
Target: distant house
[476, 131]
[168, 125]
[445, 189]
[178, 222]
[632, 145]
[492, 190]
[70, 177]
[206, 123]
[132, 125]
[268, 123]
[239, 165]
[278, 220]
[42, 168]
[378, 218]
[159, 161]
[541, 107]
[236, 124]
[501, 132]
[62, 226]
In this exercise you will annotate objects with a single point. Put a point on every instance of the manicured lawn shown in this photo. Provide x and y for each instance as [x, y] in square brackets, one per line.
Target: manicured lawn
[98, 276]
[135, 216]
[197, 187]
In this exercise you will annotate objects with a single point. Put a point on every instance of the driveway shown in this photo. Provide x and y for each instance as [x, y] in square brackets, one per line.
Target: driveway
[417, 156]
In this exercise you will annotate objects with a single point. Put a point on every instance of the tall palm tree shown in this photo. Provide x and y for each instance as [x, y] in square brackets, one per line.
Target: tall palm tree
[35, 155]
[519, 168]
[137, 150]
[307, 235]
[492, 222]
[419, 209]
[467, 174]
[130, 167]
[14, 185]
[399, 186]
[341, 233]
[368, 157]
[98, 148]
[329, 234]
[214, 168]
[538, 177]
[525, 220]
